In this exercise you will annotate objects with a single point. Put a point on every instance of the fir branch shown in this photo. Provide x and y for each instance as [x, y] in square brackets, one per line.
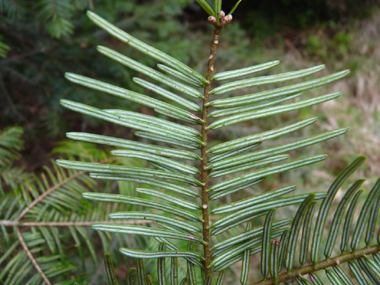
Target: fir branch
[55, 187]
[310, 268]
[32, 259]
[233, 154]
[48, 192]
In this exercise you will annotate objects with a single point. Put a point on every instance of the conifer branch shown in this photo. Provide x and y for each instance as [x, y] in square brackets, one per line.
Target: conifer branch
[345, 257]
[53, 188]
[46, 193]
[32, 259]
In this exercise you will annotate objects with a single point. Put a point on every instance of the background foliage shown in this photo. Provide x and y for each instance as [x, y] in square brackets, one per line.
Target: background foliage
[40, 41]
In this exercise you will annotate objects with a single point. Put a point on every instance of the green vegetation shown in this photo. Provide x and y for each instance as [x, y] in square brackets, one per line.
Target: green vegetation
[44, 218]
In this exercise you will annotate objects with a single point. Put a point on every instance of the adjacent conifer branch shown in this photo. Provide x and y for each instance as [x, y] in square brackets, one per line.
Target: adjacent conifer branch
[32, 259]
[345, 257]
[46, 193]
[53, 188]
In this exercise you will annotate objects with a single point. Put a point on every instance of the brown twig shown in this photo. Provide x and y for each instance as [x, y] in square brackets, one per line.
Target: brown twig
[321, 265]
[91, 4]
[204, 173]
[32, 259]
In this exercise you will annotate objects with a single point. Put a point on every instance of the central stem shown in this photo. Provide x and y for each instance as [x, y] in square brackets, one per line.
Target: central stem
[205, 211]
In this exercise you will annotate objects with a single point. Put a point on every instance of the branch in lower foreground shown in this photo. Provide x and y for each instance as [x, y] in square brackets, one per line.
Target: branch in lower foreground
[321, 265]
[32, 259]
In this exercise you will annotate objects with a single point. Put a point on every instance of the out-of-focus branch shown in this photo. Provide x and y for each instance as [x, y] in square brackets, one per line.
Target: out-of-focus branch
[32, 259]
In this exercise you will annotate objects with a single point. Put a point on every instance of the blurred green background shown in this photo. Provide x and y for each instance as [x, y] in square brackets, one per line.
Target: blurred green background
[41, 40]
